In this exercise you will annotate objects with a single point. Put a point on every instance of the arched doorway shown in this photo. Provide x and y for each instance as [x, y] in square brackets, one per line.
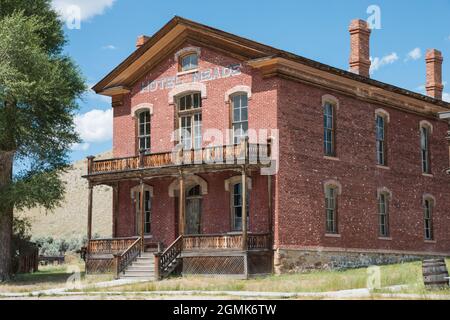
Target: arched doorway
[193, 210]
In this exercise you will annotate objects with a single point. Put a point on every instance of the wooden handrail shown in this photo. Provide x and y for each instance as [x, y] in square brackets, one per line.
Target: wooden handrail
[109, 246]
[245, 151]
[165, 260]
[123, 260]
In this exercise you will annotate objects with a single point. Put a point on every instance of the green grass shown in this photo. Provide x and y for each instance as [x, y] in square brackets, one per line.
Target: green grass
[319, 281]
[50, 277]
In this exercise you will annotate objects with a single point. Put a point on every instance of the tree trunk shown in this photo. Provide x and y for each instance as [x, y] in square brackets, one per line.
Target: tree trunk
[6, 217]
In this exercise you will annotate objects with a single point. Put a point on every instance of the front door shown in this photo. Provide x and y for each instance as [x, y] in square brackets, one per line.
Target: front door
[193, 211]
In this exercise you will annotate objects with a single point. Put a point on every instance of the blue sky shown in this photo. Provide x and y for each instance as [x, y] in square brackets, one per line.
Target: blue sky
[314, 29]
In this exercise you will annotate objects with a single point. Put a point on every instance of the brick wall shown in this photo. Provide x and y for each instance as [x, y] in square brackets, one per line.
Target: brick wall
[303, 169]
[298, 196]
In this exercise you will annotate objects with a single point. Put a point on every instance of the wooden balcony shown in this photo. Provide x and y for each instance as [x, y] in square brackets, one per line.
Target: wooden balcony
[227, 155]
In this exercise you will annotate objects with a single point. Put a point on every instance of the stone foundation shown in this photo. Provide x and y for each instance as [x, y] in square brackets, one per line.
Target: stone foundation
[295, 261]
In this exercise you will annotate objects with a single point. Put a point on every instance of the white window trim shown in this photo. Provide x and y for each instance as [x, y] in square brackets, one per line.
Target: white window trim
[190, 181]
[237, 179]
[187, 88]
[136, 110]
[426, 124]
[332, 183]
[187, 50]
[384, 114]
[236, 90]
[328, 98]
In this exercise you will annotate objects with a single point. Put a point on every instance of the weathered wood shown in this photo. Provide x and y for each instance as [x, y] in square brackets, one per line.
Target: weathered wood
[241, 153]
[89, 222]
[435, 273]
[244, 209]
[109, 246]
[181, 206]
[226, 242]
[168, 259]
[124, 259]
[141, 209]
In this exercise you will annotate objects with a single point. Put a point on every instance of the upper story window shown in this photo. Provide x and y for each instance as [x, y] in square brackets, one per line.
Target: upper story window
[144, 127]
[425, 148]
[190, 120]
[188, 62]
[329, 129]
[428, 218]
[381, 139]
[239, 105]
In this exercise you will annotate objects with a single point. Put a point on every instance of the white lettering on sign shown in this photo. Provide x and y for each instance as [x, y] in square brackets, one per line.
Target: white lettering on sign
[200, 76]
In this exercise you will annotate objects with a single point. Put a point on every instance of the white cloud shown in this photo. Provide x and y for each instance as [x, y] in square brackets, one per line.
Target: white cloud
[88, 8]
[414, 54]
[80, 146]
[109, 47]
[95, 125]
[377, 63]
[446, 96]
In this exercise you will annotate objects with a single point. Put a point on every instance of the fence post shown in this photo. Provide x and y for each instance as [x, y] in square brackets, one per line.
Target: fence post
[116, 266]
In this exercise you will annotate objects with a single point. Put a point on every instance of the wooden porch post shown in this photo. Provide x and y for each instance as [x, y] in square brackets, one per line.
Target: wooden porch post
[89, 222]
[115, 208]
[181, 206]
[244, 209]
[141, 209]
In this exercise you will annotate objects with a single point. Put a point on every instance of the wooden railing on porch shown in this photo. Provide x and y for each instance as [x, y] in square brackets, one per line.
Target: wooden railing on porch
[166, 261]
[225, 242]
[244, 152]
[123, 260]
[109, 246]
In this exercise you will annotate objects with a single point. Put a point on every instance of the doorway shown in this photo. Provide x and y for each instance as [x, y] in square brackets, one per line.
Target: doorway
[193, 210]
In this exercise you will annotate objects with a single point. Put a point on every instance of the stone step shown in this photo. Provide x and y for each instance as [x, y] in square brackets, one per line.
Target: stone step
[139, 278]
[143, 263]
[139, 268]
[138, 274]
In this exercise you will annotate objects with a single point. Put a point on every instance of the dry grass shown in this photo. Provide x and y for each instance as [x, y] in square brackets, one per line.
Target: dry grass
[50, 277]
[321, 281]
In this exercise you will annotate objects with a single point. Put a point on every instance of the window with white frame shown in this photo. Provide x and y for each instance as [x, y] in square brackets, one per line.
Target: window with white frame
[190, 120]
[144, 129]
[239, 105]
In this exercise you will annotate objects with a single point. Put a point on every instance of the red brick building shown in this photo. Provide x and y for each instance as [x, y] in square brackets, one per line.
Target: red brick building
[337, 169]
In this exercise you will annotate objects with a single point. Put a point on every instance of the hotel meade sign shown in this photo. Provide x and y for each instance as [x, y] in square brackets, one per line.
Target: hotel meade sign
[200, 76]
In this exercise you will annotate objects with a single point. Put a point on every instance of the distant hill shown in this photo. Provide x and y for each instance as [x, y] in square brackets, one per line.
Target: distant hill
[70, 220]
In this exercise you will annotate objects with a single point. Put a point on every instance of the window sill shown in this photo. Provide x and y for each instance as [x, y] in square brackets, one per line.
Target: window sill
[385, 238]
[379, 166]
[430, 241]
[332, 235]
[428, 175]
[331, 158]
[182, 73]
[148, 236]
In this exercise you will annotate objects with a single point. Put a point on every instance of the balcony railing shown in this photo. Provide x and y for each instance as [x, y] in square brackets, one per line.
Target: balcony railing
[243, 153]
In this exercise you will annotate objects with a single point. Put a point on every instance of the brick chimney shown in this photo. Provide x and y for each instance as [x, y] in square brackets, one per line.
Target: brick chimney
[434, 84]
[360, 47]
[141, 40]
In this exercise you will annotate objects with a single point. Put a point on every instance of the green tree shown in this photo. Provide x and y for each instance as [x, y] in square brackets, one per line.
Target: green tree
[39, 87]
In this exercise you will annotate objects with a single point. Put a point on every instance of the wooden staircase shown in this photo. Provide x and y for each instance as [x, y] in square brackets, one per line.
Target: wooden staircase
[143, 268]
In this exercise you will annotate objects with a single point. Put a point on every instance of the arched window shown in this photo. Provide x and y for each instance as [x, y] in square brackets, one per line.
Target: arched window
[331, 193]
[425, 148]
[188, 62]
[190, 120]
[380, 121]
[239, 115]
[428, 206]
[144, 129]
[329, 139]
